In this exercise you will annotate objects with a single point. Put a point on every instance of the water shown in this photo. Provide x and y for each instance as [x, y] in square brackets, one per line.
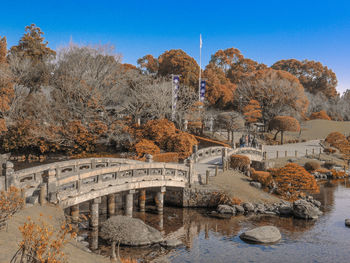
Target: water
[207, 239]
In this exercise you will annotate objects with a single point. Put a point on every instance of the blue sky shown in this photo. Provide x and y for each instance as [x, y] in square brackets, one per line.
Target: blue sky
[265, 31]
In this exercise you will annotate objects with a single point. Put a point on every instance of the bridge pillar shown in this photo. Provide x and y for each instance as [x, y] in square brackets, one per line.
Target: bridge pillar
[42, 194]
[129, 203]
[74, 212]
[111, 204]
[149, 158]
[159, 200]
[191, 171]
[142, 200]
[94, 205]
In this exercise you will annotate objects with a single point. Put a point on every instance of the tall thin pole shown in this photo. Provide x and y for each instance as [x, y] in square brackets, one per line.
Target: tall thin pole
[200, 66]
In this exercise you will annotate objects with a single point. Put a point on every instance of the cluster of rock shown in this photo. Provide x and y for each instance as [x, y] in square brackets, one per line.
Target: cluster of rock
[328, 175]
[307, 208]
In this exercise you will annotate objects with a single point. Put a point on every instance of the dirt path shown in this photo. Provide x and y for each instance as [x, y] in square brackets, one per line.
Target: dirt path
[237, 185]
[10, 238]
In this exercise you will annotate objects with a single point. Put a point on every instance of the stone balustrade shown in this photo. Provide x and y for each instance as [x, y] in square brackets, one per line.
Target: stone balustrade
[255, 154]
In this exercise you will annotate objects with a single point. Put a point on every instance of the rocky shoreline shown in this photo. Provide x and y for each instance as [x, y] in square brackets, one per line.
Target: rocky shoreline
[307, 209]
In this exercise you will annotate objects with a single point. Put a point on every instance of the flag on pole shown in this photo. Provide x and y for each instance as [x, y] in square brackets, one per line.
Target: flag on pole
[200, 41]
[202, 90]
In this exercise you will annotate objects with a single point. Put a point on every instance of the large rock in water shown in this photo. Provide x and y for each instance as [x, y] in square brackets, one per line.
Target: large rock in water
[130, 231]
[264, 235]
[305, 210]
[347, 222]
[226, 209]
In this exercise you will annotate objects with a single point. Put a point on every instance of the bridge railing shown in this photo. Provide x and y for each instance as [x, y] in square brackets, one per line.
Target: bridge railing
[219, 150]
[31, 178]
[61, 188]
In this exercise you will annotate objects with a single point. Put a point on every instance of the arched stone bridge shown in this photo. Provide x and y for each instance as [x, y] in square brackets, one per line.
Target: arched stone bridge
[72, 182]
[202, 155]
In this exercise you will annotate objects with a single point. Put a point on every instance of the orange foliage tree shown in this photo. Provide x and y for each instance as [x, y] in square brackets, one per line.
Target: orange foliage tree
[339, 141]
[293, 179]
[322, 115]
[145, 146]
[282, 124]
[312, 75]
[182, 143]
[178, 62]
[252, 111]
[41, 243]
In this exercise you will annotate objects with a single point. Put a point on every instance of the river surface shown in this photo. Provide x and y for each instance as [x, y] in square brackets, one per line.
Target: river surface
[208, 239]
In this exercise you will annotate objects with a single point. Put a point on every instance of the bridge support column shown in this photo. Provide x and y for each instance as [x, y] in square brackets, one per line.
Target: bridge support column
[42, 194]
[142, 200]
[159, 200]
[94, 205]
[111, 204]
[129, 203]
[74, 212]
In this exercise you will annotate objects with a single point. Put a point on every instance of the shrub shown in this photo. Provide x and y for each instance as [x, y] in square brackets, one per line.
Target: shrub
[337, 174]
[293, 179]
[329, 164]
[239, 162]
[159, 131]
[166, 157]
[182, 143]
[146, 146]
[311, 166]
[329, 150]
[10, 202]
[264, 178]
[41, 243]
[220, 198]
[322, 115]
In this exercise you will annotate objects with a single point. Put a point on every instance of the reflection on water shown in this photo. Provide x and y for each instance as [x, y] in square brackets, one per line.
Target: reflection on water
[208, 239]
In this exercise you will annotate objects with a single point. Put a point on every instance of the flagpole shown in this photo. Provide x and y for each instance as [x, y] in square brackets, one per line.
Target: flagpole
[200, 67]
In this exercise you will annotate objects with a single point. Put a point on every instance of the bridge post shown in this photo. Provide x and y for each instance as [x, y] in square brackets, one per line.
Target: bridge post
[129, 203]
[296, 153]
[94, 205]
[190, 171]
[285, 154]
[142, 200]
[195, 148]
[52, 185]
[216, 170]
[276, 154]
[42, 193]
[149, 158]
[8, 173]
[207, 173]
[224, 155]
[159, 200]
[74, 212]
[111, 204]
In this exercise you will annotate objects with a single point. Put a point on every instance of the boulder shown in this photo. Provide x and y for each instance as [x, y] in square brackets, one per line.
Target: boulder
[130, 231]
[255, 184]
[285, 210]
[347, 222]
[220, 216]
[262, 235]
[259, 209]
[305, 210]
[239, 209]
[226, 209]
[248, 207]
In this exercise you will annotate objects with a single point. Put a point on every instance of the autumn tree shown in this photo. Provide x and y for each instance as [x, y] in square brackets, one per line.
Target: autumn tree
[148, 64]
[252, 111]
[30, 59]
[231, 122]
[312, 75]
[6, 84]
[178, 62]
[277, 92]
[282, 124]
[220, 90]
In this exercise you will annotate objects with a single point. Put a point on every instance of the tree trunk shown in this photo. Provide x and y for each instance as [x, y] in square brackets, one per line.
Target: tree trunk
[281, 137]
[276, 135]
[113, 255]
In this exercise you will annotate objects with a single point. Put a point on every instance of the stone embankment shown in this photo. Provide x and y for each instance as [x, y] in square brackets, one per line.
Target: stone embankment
[307, 208]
